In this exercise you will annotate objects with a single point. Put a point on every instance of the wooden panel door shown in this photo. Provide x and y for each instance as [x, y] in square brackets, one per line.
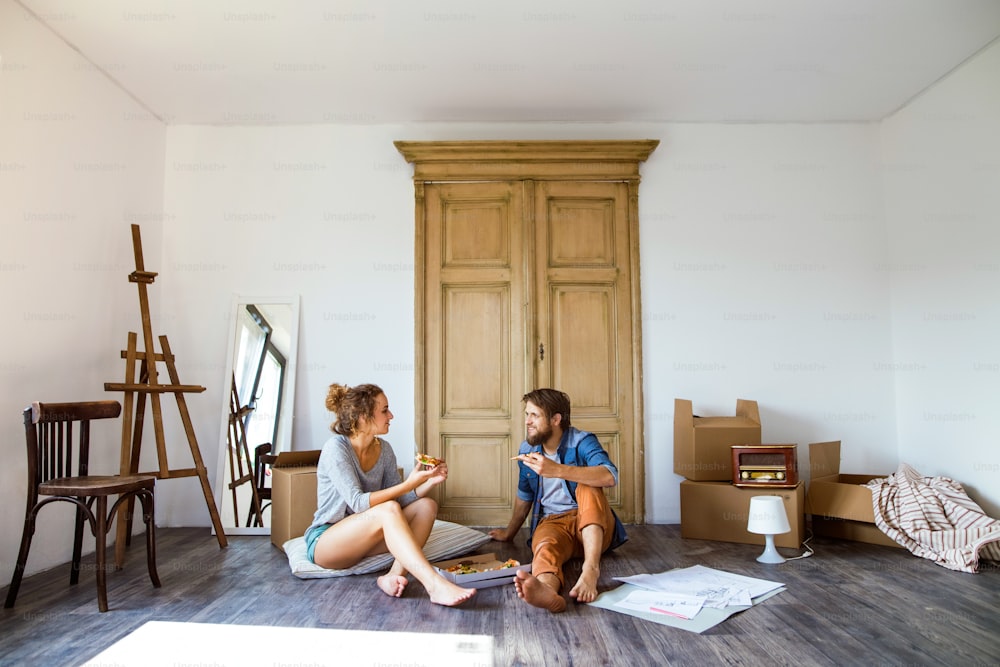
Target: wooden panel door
[582, 305]
[474, 343]
[527, 275]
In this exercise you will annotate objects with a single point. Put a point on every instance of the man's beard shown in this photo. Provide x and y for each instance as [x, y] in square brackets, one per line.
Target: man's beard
[541, 435]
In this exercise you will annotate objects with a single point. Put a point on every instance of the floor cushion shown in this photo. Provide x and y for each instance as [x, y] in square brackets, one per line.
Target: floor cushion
[447, 540]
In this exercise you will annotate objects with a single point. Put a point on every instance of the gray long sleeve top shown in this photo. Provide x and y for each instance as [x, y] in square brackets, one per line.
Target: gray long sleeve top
[343, 488]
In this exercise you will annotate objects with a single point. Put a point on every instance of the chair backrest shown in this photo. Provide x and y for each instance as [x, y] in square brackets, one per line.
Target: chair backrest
[59, 433]
[262, 458]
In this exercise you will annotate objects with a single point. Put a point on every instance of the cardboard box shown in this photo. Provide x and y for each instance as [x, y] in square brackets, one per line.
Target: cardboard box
[293, 494]
[494, 577]
[719, 511]
[703, 445]
[840, 505]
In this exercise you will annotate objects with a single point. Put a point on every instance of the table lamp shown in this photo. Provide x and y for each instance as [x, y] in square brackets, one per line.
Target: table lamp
[768, 518]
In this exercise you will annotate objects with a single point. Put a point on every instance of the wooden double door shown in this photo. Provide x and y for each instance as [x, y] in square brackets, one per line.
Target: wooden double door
[525, 280]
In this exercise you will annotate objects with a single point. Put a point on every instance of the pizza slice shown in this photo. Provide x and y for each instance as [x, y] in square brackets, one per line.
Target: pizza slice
[428, 460]
[464, 567]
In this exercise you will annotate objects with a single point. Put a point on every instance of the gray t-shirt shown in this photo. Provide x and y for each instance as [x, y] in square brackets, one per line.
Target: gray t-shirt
[556, 497]
[343, 488]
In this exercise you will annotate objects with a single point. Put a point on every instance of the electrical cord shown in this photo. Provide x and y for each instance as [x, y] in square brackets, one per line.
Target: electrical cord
[805, 545]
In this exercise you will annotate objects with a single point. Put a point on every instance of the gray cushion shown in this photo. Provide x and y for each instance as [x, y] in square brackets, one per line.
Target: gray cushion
[447, 540]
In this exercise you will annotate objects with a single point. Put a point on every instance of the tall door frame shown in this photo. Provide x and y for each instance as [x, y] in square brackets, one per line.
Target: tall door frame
[528, 161]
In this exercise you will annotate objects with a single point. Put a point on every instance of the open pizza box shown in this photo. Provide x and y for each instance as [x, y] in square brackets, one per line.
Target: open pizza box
[489, 574]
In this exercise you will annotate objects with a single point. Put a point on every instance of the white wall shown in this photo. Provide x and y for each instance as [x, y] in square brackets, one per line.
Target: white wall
[763, 252]
[79, 162]
[942, 191]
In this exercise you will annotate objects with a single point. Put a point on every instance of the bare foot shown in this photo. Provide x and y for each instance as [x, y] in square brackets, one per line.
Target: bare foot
[392, 584]
[585, 589]
[537, 594]
[445, 593]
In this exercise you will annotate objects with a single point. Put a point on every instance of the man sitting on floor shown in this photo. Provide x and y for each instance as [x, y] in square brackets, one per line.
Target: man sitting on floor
[563, 472]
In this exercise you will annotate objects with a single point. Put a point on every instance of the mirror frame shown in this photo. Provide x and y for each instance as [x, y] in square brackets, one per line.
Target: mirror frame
[287, 400]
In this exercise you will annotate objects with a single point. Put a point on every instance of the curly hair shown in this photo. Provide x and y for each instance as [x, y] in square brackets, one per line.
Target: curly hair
[552, 402]
[350, 404]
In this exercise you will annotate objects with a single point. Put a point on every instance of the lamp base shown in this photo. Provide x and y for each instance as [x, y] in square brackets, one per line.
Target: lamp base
[770, 554]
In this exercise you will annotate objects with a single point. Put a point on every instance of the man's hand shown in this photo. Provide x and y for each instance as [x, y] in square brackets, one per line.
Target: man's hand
[500, 535]
[541, 465]
[597, 475]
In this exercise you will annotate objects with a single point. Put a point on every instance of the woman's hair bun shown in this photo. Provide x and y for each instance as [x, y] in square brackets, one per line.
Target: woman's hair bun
[334, 396]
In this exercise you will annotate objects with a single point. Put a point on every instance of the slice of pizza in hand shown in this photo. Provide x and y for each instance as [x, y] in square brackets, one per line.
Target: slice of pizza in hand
[428, 460]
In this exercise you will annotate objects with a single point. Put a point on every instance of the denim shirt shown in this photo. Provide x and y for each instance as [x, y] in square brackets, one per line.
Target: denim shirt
[576, 448]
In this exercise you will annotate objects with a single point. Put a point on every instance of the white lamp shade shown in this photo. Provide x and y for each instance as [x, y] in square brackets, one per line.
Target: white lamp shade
[767, 516]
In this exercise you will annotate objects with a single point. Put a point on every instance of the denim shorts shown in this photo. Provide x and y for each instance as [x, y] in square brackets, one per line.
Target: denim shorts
[312, 536]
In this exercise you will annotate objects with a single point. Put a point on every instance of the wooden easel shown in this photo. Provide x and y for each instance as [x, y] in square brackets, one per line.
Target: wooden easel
[136, 389]
[241, 465]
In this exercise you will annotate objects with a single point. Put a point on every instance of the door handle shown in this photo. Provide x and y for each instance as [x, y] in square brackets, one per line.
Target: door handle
[541, 351]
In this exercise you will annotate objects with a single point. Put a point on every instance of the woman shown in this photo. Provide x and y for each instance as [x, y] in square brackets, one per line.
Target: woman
[364, 508]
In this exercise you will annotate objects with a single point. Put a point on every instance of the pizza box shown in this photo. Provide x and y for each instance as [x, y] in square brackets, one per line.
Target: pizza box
[494, 577]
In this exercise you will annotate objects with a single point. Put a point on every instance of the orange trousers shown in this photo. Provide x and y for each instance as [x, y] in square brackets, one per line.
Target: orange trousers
[557, 538]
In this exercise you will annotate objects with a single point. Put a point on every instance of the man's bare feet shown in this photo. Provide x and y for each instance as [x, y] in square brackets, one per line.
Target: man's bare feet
[538, 594]
[585, 589]
[445, 593]
[392, 584]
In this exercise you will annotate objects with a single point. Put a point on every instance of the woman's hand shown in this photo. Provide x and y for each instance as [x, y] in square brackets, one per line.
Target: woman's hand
[438, 473]
[425, 478]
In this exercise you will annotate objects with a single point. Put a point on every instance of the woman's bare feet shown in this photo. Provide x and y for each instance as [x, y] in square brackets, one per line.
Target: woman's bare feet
[538, 594]
[392, 584]
[445, 593]
[585, 589]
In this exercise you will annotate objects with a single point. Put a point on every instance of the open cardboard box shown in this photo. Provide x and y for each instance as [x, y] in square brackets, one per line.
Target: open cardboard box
[494, 577]
[840, 505]
[719, 511]
[703, 445]
[293, 494]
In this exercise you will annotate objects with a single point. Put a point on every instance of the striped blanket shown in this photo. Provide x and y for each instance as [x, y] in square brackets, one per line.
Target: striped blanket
[934, 518]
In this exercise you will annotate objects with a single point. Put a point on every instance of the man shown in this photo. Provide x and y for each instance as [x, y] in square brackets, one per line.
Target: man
[563, 473]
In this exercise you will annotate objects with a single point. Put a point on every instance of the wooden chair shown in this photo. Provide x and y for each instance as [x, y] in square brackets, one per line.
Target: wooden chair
[262, 458]
[58, 435]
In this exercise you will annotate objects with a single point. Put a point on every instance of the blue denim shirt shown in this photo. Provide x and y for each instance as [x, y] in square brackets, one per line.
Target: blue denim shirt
[576, 448]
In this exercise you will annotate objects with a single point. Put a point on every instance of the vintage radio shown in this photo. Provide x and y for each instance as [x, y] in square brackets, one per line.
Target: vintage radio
[765, 465]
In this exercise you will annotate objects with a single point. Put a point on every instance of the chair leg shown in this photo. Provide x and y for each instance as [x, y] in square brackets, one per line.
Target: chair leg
[101, 535]
[74, 573]
[22, 559]
[149, 517]
[129, 511]
[254, 518]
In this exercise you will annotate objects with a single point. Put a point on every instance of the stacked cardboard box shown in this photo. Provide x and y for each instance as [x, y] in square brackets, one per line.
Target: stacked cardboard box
[712, 508]
[719, 511]
[703, 445]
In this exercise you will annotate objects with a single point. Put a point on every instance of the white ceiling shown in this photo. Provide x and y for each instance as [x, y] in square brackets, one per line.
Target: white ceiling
[331, 61]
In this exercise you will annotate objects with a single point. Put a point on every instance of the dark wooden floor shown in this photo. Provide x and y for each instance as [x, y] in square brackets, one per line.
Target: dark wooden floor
[849, 604]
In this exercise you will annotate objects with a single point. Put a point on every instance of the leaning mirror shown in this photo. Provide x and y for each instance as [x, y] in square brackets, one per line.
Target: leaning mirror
[257, 414]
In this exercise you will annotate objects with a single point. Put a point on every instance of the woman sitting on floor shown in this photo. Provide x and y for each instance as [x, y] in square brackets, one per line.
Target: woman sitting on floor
[363, 507]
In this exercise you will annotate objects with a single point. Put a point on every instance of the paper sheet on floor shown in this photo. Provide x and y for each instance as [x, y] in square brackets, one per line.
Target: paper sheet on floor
[674, 604]
[720, 589]
[723, 594]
